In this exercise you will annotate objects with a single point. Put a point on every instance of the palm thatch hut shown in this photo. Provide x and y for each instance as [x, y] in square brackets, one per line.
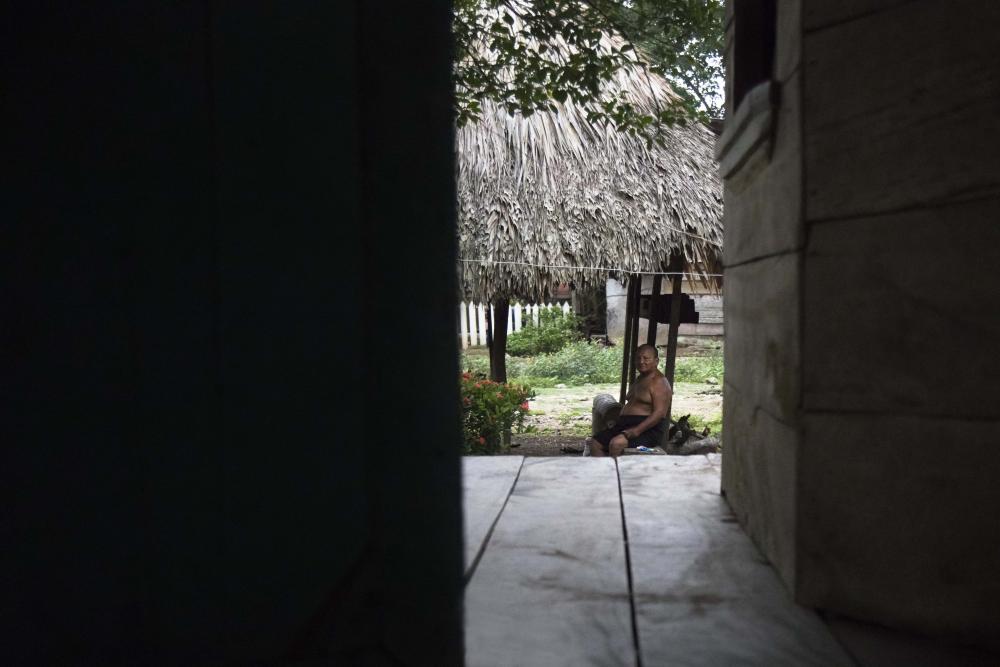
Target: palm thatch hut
[553, 198]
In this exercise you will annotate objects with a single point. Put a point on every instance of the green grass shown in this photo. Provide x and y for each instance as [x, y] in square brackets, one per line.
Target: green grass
[587, 369]
[581, 363]
[698, 369]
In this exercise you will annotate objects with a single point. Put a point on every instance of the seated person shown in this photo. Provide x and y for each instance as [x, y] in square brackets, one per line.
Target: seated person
[646, 406]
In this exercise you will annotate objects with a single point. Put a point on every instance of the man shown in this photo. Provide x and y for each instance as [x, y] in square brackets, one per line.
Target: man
[646, 407]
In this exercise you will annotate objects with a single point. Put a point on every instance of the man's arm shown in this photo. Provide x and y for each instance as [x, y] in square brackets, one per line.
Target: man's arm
[661, 394]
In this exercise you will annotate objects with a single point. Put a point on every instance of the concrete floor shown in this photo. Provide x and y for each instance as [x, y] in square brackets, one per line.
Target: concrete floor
[579, 561]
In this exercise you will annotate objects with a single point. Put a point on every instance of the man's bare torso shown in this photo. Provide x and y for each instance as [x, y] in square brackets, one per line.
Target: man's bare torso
[639, 400]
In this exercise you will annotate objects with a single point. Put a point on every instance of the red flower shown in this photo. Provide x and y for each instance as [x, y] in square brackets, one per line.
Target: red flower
[482, 440]
[466, 376]
[524, 406]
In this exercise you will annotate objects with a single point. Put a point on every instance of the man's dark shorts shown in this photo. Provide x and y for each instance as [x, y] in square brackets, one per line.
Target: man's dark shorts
[649, 438]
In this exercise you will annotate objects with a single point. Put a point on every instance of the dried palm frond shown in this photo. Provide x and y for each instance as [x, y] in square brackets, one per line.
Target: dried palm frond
[553, 190]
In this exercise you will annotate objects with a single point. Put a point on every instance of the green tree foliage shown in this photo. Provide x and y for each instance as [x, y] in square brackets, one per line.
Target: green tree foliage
[525, 55]
[683, 40]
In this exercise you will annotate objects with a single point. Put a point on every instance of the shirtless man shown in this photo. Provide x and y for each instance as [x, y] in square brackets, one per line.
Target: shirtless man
[646, 406]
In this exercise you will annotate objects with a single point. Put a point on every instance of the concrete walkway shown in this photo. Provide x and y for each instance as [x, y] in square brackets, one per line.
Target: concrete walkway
[577, 561]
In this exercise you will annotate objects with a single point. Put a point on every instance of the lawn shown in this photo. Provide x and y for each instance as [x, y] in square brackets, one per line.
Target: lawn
[565, 383]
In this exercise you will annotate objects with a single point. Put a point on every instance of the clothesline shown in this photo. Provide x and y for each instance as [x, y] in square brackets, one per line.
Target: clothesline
[590, 268]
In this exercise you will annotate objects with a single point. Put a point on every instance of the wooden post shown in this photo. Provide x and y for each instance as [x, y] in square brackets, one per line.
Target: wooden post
[676, 267]
[498, 350]
[634, 340]
[653, 298]
[626, 337]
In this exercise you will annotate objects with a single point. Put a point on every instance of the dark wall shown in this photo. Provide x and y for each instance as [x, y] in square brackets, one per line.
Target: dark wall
[221, 217]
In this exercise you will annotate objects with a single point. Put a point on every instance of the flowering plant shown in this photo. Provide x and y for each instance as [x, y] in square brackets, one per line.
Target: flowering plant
[490, 410]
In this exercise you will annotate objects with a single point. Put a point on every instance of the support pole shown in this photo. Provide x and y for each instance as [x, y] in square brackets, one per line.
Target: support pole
[634, 340]
[626, 337]
[498, 350]
[654, 297]
[676, 267]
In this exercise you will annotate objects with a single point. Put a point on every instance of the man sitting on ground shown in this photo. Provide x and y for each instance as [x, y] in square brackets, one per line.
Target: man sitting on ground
[646, 407]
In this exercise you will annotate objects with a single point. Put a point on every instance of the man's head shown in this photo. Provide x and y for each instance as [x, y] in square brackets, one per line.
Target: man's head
[646, 358]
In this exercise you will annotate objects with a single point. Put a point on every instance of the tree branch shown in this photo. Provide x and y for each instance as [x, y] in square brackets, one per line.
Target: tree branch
[697, 93]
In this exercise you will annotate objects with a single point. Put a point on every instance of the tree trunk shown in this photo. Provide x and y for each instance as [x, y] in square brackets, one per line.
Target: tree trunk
[498, 350]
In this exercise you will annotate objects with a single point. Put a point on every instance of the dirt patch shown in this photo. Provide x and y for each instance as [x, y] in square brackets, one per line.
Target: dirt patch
[560, 416]
[566, 411]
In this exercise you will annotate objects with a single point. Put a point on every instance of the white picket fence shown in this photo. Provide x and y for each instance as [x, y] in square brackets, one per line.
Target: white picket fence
[472, 319]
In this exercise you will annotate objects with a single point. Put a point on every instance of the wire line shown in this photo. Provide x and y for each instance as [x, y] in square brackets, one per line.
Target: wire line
[589, 268]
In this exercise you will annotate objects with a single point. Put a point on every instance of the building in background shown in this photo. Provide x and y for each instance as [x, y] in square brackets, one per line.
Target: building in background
[707, 303]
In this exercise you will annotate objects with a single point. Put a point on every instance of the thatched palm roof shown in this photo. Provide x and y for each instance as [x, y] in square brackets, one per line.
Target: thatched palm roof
[552, 190]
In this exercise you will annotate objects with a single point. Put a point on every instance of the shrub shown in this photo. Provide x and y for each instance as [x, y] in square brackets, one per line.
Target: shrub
[554, 331]
[698, 369]
[577, 363]
[489, 410]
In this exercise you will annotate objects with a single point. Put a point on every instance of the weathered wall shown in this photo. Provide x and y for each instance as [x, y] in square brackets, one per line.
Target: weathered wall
[901, 446]
[202, 191]
[862, 315]
[763, 255]
[708, 305]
